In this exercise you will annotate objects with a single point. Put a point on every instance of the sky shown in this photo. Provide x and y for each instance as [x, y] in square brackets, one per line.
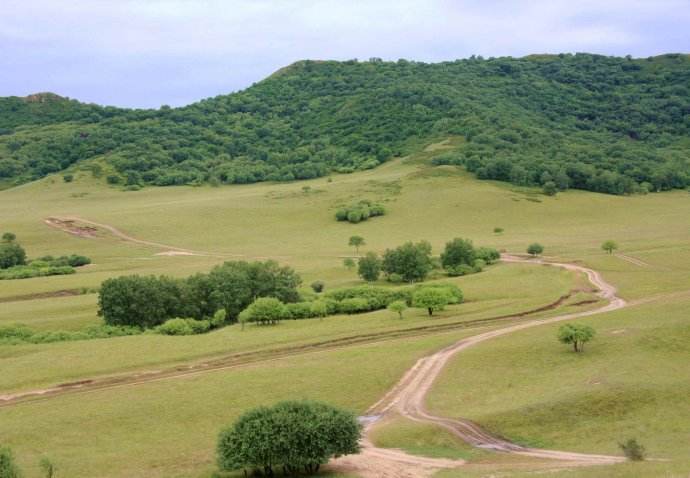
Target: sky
[146, 53]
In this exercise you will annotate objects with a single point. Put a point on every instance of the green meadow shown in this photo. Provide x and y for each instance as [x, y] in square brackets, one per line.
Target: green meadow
[631, 381]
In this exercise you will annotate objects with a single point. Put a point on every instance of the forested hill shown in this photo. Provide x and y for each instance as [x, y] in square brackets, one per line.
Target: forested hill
[616, 125]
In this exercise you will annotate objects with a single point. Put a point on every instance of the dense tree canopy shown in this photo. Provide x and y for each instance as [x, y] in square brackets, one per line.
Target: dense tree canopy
[608, 124]
[232, 286]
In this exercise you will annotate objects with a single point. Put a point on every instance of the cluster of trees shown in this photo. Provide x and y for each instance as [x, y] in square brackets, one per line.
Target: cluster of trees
[15, 265]
[291, 437]
[609, 124]
[413, 262]
[150, 301]
[359, 211]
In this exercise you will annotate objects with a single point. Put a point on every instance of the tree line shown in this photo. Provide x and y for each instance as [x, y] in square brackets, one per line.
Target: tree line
[608, 124]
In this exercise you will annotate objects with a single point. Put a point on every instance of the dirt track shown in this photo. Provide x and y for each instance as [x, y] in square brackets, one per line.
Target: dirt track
[408, 396]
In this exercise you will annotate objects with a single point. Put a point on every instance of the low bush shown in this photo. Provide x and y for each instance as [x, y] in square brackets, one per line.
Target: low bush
[292, 436]
[34, 270]
[20, 334]
[180, 326]
[360, 211]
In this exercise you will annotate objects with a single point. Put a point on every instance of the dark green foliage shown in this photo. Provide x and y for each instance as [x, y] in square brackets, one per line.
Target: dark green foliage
[360, 211]
[290, 437]
[9, 237]
[43, 266]
[8, 465]
[578, 121]
[11, 254]
[356, 242]
[609, 246]
[535, 249]
[369, 267]
[411, 261]
[318, 286]
[632, 450]
[139, 301]
[375, 297]
[458, 252]
[150, 301]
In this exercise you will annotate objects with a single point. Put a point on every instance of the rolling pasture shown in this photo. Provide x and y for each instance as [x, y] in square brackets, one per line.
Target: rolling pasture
[631, 381]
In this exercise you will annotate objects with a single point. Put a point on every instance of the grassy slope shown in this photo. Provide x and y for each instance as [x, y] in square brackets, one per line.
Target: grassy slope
[297, 228]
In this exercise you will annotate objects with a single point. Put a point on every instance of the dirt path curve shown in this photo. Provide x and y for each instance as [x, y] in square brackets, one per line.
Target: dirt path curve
[408, 397]
[633, 260]
[72, 225]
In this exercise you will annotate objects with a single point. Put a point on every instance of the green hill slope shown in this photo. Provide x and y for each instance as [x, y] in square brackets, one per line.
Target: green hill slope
[615, 125]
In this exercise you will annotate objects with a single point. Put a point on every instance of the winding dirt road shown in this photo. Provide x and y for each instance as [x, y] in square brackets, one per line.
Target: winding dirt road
[408, 396]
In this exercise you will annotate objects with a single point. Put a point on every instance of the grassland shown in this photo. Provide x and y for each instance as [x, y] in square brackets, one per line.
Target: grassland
[523, 386]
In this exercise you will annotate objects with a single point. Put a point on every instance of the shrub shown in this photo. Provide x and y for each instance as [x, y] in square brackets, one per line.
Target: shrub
[318, 286]
[376, 297]
[77, 261]
[319, 308]
[360, 211]
[535, 249]
[8, 465]
[487, 254]
[632, 450]
[265, 310]
[354, 305]
[293, 436]
[461, 270]
[395, 278]
[299, 310]
[498, 230]
[68, 178]
[11, 254]
[478, 265]
[183, 327]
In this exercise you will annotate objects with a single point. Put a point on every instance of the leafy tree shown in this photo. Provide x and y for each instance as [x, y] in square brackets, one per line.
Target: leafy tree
[317, 286]
[8, 465]
[9, 237]
[356, 242]
[369, 267]
[411, 261]
[431, 298]
[139, 301]
[264, 310]
[457, 252]
[575, 334]
[293, 436]
[399, 306]
[11, 254]
[535, 249]
[349, 262]
[488, 254]
[609, 246]
[632, 450]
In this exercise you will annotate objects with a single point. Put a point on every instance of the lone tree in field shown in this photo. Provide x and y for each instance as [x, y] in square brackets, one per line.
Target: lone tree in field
[356, 242]
[9, 237]
[535, 249]
[632, 450]
[431, 299]
[8, 466]
[369, 267]
[498, 230]
[398, 306]
[576, 334]
[290, 437]
[609, 246]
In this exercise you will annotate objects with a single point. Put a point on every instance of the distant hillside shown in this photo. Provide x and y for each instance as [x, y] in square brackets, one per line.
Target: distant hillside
[615, 125]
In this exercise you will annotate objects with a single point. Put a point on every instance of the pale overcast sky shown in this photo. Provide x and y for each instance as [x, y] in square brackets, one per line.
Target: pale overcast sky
[145, 53]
